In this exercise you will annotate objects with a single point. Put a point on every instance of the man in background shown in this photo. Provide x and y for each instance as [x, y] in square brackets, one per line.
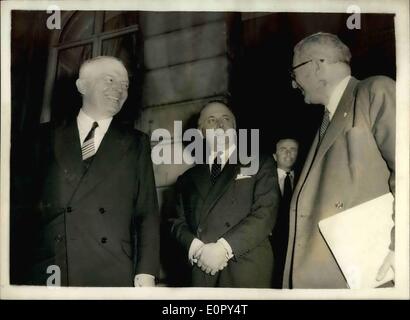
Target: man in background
[351, 160]
[285, 156]
[98, 213]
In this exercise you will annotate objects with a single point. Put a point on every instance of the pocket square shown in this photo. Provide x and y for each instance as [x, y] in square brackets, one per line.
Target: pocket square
[242, 176]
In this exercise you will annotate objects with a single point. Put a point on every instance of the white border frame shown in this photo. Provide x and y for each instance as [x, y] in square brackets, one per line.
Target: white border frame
[398, 7]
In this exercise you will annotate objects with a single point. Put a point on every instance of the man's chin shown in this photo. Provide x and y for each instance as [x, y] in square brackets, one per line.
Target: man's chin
[113, 107]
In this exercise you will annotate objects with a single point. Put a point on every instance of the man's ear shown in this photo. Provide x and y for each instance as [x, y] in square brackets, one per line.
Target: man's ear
[201, 129]
[274, 157]
[81, 86]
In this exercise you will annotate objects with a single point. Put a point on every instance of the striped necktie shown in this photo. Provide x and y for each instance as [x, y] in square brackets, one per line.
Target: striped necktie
[88, 148]
[324, 125]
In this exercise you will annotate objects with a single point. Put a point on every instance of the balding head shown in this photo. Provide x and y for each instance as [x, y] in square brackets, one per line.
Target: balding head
[91, 66]
[323, 45]
[217, 124]
[320, 62]
[216, 114]
[103, 83]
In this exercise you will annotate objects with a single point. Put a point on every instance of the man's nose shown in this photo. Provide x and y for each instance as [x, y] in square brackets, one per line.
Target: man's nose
[220, 124]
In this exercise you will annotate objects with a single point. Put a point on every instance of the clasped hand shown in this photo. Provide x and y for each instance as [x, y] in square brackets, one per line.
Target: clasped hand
[211, 258]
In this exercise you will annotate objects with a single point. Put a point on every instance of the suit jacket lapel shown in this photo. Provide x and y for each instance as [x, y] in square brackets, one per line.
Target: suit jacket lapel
[67, 150]
[306, 168]
[341, 117]
[111, 150]
[222, 184]
[201, 178]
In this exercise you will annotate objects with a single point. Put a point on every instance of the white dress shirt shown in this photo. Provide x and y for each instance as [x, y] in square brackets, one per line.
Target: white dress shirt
[282, 177]
[336, 96]
[225, 155]
[85, 123]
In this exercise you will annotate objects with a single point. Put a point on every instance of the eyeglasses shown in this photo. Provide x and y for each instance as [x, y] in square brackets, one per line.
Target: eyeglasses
[292, 70]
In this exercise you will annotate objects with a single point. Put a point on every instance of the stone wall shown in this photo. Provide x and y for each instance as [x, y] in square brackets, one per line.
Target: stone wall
[186, 63]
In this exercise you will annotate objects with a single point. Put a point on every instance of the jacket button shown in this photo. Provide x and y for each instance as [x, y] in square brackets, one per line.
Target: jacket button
[103, 240]
[58, 238]
[101, 210]
[69, 209]
[227, 224]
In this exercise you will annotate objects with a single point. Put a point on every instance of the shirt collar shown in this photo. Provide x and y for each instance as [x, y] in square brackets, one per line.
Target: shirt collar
[225, 155]
[283, 172]
[336, 96]
[85, 123]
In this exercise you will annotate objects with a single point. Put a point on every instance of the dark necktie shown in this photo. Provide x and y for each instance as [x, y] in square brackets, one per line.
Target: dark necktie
[287, 189]
[216, 169]
[324, 125]
[88, 148]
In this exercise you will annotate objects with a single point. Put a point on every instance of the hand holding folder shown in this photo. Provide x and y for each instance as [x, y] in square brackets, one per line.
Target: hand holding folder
[359, 240]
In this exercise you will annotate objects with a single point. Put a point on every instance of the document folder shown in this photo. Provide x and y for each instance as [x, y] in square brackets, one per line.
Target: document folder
[359, 239]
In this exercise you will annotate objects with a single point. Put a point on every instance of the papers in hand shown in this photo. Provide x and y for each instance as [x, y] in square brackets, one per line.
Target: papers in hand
[359, 239]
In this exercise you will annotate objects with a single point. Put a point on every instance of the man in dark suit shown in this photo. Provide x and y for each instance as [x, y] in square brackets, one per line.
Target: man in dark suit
[285, 155]
[98, 213]
[224, 216]
[351, 160]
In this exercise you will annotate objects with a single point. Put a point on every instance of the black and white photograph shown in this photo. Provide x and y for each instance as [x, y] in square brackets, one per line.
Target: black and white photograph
[205, 149]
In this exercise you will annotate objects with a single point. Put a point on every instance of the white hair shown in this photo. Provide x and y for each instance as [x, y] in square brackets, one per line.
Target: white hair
[335, 49]
[85, 66]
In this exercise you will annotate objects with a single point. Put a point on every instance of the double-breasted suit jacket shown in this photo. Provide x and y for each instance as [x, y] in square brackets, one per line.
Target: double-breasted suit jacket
[240, 210]
[99, 226]
[354, 163]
